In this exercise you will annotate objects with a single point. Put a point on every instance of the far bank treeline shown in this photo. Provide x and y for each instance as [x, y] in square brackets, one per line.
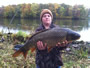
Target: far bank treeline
[33, 11]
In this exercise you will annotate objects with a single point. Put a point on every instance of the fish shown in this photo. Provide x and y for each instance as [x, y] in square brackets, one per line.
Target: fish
[50, 36]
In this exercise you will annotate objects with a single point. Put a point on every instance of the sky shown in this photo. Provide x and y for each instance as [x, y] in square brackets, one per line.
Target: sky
[86, 3]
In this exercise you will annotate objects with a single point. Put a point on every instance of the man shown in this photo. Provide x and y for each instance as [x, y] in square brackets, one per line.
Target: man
[45, 59]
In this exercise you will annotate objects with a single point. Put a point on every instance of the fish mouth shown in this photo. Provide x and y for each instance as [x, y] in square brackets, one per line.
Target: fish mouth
[74, 39]
[73, 36]
[77, 36]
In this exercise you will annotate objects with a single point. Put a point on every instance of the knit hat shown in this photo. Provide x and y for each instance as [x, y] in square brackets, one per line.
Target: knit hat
[45, 11]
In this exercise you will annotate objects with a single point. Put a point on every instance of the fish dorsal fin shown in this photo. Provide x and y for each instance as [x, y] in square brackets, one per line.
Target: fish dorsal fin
[39, 32]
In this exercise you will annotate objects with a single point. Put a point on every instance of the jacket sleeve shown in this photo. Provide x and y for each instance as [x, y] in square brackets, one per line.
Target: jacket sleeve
[42, 52]
[56, 50]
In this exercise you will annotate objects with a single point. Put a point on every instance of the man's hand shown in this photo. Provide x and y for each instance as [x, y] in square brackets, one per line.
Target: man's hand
[41, 46]
[63, 44]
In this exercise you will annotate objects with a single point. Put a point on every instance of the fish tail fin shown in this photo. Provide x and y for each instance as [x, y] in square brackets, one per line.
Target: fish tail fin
[25, 54]
[17, 53]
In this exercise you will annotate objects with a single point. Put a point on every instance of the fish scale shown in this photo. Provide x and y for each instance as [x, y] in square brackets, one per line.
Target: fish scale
[49, 36]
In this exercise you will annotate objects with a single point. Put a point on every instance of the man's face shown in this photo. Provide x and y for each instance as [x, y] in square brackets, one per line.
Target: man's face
[46, 19]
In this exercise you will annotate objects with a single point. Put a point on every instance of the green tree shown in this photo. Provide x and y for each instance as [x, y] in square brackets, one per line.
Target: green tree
[61, 11]
[9, 11]
[76, 13]
[34, 10]
[56, 7]
[82, 11]
[25, 10]
[1, 11]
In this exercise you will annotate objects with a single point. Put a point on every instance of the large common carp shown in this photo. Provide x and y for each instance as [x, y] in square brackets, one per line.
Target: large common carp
[49, 36]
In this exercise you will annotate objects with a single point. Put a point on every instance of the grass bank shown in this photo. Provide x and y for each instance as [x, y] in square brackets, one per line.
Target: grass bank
[75, 58]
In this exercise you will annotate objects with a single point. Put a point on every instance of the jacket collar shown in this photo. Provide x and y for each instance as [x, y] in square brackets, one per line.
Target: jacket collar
[51, 26]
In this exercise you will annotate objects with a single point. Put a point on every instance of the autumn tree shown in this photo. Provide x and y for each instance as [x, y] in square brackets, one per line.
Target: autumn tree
[25, 10]
[9, 11]
[34, 10]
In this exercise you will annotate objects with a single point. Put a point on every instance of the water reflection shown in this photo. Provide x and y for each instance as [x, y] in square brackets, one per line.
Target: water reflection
[28, 26]
[76, 25]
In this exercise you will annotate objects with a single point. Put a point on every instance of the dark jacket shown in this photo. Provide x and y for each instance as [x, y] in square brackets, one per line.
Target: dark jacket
[52, 59]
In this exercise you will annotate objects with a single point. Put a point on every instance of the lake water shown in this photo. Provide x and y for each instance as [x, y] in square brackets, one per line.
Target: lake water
[29, 26]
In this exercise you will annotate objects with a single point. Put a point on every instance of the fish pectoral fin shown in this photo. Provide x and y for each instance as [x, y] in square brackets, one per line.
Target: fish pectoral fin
[17, 53]
[49, 48]
[33, 49]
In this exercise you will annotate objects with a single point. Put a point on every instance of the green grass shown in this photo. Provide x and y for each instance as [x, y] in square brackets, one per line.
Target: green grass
[7, 61]
[79, 60]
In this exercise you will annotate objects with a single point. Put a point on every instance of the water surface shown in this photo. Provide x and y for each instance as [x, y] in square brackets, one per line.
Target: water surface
[29, 26]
